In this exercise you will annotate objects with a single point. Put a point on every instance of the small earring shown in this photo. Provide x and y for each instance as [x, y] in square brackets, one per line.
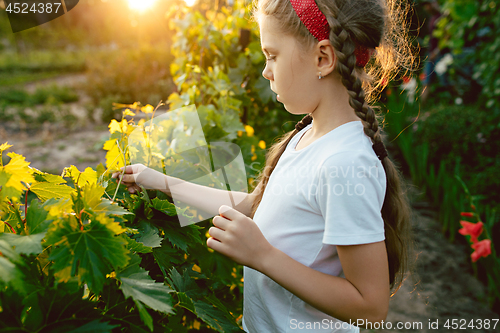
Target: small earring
[320, 77]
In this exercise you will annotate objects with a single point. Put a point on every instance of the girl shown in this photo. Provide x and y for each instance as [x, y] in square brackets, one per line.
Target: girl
[324, 236]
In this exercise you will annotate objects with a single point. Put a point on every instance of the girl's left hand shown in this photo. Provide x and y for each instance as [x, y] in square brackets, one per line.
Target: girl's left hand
[238, 237]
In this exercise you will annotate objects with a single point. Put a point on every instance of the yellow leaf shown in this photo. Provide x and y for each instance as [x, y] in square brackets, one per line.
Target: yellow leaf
[254, 157]
[262, 144]
[114, 126]
[249, 130]
[5, 146]
[253, 149]
[196, 268]
[46, 191]
[240, 133]
[196, 324]
[19, 171]
[89, 176]
[127, 112]
[114, 158]
[111, 224]
[147, 109]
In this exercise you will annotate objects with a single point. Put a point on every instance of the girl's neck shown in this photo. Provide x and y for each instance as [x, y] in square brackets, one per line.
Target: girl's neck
[333, 108]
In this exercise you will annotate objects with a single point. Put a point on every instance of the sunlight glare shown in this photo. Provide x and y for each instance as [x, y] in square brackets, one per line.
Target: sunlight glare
[140, 5]
[190, 3]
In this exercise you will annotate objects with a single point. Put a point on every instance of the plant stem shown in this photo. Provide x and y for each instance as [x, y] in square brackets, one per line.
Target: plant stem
[123, 172]
[11, 229]
[25, 209]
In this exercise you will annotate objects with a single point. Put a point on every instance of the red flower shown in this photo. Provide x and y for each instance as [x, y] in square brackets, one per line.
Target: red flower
[467, 214]
[406, 79]
[422, 76]
[482, 249]
[471, 229]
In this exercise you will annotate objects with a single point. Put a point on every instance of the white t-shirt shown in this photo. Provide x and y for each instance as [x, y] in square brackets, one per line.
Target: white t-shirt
[329, 193]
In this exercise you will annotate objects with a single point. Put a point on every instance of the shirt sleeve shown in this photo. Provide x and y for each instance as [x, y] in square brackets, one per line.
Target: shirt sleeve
[351, 191]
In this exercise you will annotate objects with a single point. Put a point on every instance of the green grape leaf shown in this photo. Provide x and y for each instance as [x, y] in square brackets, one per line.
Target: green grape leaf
[145, 316]
[166, 256]
[30, 244]
[164, 206]
[37, 217]
[183, 283]
[9, 272]
[92, 195]
[47, 191]
[95, 326]
[215, 317]
[186, 302]
[89, 254]
[184, 237]
[148, 235]
[41, 176]
[135, 246]
[136, 283]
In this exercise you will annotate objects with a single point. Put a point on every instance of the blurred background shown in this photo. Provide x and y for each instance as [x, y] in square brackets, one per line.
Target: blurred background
[58, 83]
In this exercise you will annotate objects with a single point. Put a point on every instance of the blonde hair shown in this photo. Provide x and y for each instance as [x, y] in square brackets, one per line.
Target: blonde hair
[373, 24]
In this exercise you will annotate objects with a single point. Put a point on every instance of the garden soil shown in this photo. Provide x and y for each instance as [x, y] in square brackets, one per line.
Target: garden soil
[441, 289]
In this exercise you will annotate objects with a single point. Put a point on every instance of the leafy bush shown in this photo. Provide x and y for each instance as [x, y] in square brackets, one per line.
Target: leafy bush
[441, 146]
[462, 132]
[469, 29]
[218, 60]
[85, 235]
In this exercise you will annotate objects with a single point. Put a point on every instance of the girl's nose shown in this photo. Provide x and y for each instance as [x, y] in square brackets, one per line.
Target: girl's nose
[267, 74]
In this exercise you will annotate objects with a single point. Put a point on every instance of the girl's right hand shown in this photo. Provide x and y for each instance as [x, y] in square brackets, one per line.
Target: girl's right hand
[137, 175]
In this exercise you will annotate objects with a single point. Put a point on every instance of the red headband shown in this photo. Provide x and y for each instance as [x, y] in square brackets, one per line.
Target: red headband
[317, 24]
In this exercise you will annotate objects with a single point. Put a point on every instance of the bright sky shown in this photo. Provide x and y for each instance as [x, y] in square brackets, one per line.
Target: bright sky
[140, 5]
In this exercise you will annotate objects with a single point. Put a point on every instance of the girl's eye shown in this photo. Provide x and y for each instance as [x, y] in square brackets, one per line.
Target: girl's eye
[270, 58]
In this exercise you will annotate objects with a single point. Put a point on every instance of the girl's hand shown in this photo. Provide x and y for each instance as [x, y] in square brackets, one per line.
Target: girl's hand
[137, 175]
[238, 237]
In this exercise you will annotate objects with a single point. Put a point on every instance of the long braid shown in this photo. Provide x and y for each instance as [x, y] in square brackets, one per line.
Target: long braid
[395, 220]
[346, 65]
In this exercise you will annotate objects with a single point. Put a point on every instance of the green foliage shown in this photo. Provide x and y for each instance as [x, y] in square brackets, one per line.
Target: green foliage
[469, 29]
[73, 241]
[459, 132]
[218, 65]
[440, 145]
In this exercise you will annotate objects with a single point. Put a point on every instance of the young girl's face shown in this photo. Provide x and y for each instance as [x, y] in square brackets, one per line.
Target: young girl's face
[291, 72]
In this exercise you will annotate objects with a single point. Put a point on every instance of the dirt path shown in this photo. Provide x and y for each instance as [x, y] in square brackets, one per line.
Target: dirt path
[444, 287]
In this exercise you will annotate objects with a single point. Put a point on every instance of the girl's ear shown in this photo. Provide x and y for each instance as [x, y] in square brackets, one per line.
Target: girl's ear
[325, 57]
